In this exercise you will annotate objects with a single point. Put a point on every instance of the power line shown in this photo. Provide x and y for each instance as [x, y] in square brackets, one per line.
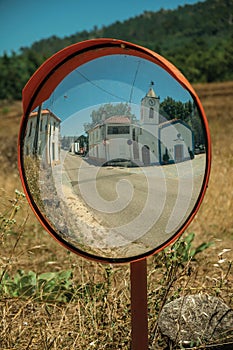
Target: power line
[100, 88]
[135, 76]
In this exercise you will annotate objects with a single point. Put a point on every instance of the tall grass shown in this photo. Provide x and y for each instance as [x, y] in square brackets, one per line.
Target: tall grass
[86, 305]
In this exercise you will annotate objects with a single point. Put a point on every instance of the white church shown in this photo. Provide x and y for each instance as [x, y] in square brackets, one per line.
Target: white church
[146, 143]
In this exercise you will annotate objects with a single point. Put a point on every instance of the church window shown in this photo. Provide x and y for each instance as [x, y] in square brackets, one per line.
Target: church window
[151, 113]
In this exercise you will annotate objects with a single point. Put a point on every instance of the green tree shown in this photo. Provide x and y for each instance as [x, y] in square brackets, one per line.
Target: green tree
[228, 58]
[13, 76]
[199, 45]
[172, 109]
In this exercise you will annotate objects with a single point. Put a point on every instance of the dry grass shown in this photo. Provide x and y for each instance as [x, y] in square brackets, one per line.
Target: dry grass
[99, 318]
[218, 204]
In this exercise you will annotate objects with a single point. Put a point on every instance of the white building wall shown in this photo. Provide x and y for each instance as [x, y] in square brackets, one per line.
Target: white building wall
[176, 139]
[48, 143]
[108, 146]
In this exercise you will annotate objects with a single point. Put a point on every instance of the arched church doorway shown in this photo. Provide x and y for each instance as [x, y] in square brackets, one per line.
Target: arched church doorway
[146, 155]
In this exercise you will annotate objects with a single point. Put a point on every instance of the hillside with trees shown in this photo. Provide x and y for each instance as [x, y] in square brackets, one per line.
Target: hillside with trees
[197, 38]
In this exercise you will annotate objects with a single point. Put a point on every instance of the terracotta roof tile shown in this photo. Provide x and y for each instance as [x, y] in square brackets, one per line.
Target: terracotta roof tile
[44, 112]
[117, 120]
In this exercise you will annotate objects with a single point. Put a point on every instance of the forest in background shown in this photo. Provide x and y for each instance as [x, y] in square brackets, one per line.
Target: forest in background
[197, 38]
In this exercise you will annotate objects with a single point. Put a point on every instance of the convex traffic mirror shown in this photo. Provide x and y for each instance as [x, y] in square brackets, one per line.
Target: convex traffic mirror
[114, 150]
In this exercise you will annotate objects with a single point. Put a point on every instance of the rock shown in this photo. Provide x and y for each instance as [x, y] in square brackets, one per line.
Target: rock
[196, 319]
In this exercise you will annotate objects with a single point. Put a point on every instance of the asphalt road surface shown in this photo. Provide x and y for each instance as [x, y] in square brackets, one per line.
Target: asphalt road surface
[131, 207]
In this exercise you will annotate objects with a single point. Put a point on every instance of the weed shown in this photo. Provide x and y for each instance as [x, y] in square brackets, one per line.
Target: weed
[8, 216]
[5, 110]
[50, 286]
[87, 305]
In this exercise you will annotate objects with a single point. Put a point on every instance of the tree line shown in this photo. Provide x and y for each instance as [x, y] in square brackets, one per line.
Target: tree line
[197, 38]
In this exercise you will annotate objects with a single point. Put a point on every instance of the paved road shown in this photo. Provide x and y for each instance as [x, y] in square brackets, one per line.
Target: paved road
[144, 205]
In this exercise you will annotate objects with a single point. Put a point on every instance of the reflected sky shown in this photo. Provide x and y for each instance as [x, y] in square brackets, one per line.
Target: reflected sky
[117, 192]
[111, 79]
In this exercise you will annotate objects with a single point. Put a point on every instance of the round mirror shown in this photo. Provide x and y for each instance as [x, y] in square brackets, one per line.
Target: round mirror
[114, 150]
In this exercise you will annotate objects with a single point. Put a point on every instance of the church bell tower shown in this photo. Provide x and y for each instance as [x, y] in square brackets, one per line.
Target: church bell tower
[150, 108]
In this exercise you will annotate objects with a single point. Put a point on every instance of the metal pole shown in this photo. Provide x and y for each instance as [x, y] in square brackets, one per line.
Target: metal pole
[139, 312]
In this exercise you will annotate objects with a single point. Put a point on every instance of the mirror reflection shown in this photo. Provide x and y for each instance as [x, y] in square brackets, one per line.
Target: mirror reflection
[115, 158]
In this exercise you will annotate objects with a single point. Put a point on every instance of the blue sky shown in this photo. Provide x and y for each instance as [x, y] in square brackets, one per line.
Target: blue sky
[96, 83]
[23, 22]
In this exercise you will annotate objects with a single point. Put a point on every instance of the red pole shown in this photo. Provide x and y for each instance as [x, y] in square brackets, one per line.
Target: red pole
[139, 312]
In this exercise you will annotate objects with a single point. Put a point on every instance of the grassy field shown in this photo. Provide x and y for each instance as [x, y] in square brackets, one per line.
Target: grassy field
[52, 299]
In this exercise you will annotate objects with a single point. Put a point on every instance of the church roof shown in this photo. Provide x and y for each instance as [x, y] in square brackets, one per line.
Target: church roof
[151, 93]
[167, 122]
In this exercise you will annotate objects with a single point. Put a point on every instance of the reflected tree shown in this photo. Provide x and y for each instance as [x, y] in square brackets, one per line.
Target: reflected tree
[172, 109]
